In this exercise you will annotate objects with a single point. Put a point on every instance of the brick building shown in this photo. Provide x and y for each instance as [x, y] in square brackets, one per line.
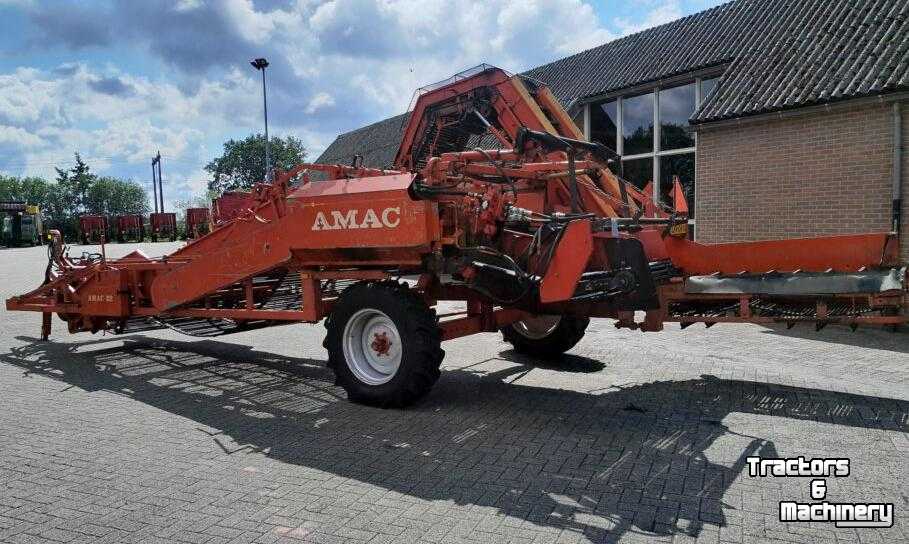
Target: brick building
[782, 118]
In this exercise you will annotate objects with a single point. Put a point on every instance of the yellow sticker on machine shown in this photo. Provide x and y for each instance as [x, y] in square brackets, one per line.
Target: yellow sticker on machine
[32, 209]
[679, 229]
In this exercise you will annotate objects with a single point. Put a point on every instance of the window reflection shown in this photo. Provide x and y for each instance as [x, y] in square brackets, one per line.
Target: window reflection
[683, 167]
[603, 122]
[637, 124]
[676, 107]
[639, 171]
[578, 119]
[707, 87]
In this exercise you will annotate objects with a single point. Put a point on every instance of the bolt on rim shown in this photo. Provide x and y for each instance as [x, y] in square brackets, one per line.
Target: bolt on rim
[372, 346]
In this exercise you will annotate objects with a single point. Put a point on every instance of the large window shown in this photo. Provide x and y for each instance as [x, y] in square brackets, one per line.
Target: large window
[638, 171]
[604, 122]
[676, 106]
[681, 166]
[651, 133]
[637, 124]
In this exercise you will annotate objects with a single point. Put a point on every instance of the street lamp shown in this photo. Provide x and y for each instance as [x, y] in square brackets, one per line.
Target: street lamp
[261, 64]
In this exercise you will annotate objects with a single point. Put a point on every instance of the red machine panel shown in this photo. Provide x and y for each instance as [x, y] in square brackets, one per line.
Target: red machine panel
[372, 220]
[840, 253]
[105, 294]
[229, 205]
[374, 212]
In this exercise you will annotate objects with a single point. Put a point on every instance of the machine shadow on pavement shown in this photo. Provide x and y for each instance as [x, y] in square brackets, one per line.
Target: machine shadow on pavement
[630, 459]
[872, 338]
[568, 362]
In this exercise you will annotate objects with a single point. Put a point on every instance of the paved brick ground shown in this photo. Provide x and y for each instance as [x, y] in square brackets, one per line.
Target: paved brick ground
[161, 438]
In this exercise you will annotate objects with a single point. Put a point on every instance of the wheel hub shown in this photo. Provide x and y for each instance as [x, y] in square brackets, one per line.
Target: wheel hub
[380, 343]
[538, 327]
[372, 346]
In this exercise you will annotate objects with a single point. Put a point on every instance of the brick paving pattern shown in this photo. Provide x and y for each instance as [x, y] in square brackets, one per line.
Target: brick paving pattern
[157, 437]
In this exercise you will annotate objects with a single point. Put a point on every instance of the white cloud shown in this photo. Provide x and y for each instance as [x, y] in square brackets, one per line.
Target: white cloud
[187, 5]
[17, 137]
[321, 100]
[255, 26]
[375, 54]
[335, 65]
[46, 117]
[663, 13]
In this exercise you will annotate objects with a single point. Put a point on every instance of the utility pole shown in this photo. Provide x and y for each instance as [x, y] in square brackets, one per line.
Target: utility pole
[154, 185]
[261, 64]
[160, 194]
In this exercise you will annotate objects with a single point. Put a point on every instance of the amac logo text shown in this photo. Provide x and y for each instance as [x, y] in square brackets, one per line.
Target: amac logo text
[351, 219]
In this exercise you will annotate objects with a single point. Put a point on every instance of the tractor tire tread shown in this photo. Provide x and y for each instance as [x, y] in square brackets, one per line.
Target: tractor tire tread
[420, 372]
[567, 334]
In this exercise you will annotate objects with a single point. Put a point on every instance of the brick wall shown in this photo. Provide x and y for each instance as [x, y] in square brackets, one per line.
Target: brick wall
[817, 174]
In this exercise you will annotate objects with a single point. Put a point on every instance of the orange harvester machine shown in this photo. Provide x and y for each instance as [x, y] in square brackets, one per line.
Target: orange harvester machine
[495, 199]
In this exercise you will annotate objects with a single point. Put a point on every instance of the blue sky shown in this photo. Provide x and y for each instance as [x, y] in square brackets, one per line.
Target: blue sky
[119, 80]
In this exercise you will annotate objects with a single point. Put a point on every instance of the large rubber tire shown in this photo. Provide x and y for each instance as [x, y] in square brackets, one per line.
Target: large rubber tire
[412, 323]
[548, 342]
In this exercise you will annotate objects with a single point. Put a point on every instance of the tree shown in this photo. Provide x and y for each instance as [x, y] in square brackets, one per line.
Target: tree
[34, 190]
[67, 202]
[74, 184]
[243, 163]
[10, 188]
[31, 190]
[113, 196]
[55, 210]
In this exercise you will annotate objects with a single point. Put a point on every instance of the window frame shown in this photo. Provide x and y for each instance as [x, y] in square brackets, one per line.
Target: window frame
[657, 152]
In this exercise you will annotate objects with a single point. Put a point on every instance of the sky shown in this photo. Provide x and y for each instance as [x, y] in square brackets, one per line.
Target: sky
[118, 81]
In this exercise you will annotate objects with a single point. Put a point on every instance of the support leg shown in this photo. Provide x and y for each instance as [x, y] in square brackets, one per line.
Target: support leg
[45, 325]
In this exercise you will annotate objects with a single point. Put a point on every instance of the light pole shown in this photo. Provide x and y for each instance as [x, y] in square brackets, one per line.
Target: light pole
[261, 64]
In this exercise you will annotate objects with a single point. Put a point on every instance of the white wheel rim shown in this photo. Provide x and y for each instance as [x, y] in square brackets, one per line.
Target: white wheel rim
[372, 346]
[538, 327]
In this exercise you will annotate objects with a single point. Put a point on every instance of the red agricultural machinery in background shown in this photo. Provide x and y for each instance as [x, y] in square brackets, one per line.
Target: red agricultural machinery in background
[198, 222]
[495, 200]
[163, 226]
[93, 229]
[130, 227]
[230, 205]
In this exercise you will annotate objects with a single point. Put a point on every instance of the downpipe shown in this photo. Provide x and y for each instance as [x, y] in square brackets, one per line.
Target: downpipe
[897, 187]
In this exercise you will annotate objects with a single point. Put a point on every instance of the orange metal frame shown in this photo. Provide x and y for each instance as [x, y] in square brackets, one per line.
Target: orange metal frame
[371, 224]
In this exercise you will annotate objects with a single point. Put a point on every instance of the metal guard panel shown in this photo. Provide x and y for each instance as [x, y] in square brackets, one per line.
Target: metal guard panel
[842, 253]
[843, 283]
[380, 219]
[337, 187]
[568, 263]
[338, 217]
